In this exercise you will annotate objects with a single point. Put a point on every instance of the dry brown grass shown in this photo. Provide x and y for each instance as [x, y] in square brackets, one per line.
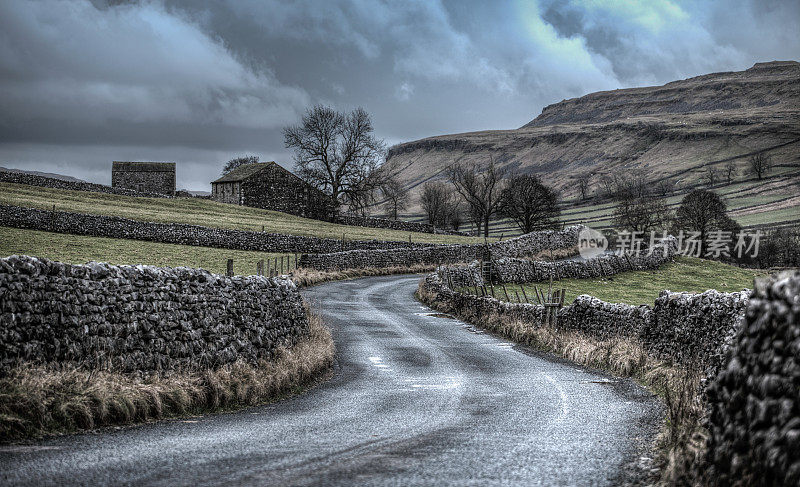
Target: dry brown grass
[37, 400]
[309, 277]
[679, 446]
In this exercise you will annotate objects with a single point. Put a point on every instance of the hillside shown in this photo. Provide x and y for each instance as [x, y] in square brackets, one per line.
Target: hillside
[197, 211]
[674, 131]
[43, 174]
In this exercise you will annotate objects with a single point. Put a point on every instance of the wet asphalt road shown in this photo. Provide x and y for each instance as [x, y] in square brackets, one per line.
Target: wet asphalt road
[415, 399]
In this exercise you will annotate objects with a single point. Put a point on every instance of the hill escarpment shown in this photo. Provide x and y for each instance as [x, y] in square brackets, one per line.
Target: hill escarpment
[675, 131]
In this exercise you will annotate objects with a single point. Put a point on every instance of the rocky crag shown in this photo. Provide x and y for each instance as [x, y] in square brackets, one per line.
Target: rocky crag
[672, 131]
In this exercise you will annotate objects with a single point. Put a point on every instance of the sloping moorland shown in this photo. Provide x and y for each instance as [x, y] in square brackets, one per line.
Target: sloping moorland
[674, 132]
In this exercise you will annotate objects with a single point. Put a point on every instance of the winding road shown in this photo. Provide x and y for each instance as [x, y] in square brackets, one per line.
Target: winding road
[415, 399]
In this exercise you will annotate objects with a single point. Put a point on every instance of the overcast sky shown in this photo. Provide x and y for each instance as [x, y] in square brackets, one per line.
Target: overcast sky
[198, 82]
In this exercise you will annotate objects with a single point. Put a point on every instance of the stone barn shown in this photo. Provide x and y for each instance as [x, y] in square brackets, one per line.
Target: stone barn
[269, 186]
[149, 177]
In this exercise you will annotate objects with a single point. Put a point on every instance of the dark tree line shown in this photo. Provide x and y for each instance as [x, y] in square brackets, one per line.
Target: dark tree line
[486, 192]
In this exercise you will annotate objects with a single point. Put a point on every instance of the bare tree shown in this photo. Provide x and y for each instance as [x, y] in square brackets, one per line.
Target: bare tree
[760, 164]
[710, 176]
[608, 185]
[583, 185]
[529, 203]
[665, 187]
[455, 217]
[702, 211]
[363, 193]
[480, 189]
[730, 171]
[638, 209]
[436, 200]
[335, 151]
[395, 196]
[238, 161]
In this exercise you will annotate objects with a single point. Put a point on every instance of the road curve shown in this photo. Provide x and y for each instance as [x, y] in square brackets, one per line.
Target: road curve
[415, 399]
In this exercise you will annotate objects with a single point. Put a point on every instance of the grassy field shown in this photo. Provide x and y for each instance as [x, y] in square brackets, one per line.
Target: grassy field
[201, 212]
[76, 249]
[642, 287]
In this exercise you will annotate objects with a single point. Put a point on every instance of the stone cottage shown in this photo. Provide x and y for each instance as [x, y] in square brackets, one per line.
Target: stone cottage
[150, 177]
[269, 186]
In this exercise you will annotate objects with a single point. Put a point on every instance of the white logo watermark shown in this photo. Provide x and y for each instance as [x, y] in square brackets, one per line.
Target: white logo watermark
[718, 243]
[591, 243]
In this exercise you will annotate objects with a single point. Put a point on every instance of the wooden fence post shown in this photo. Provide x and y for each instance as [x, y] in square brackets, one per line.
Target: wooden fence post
[229, 270]
[260, 267]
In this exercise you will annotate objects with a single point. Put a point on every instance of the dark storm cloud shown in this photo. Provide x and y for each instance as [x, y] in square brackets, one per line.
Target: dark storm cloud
[198, 81]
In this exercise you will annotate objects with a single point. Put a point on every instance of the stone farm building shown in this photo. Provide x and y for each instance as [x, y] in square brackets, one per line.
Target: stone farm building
[269, 186]
[149, 177]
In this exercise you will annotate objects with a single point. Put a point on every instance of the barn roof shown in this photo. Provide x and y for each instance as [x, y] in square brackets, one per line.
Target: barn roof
[143, 166]
[245, 171]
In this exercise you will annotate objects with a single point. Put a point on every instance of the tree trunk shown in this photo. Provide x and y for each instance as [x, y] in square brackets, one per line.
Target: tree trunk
[486, 225]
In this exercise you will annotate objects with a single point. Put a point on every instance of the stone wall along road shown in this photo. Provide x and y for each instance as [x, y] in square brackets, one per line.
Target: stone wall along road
[754, 422]
[527, 245]
[141, 318]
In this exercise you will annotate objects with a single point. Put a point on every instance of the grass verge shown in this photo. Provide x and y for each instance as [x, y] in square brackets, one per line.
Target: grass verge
[40, 400]
[642, 287]
[680, 443]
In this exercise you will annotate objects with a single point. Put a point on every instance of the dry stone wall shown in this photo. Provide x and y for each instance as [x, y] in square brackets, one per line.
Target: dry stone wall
[748, 342]
[371, 222]
[534, 243]
[754, 421]
[604, 320]
[141, 318]
[523, 270]
[510, 270]
[524, 245]
[359, 259]
[34, 180]
[116, 227]
[685, 328]
[686, 325]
